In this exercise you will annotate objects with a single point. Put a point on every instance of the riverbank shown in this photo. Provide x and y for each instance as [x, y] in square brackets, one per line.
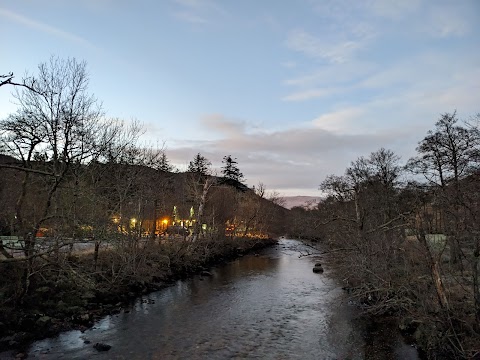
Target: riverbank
[396, 303]
[74, 294]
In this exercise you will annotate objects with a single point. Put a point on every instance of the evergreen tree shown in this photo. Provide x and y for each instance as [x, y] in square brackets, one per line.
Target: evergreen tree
[164, 163]
[200, 165]
[230, 169]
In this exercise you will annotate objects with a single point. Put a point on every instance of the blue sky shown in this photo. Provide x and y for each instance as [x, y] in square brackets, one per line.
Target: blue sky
[294, 89]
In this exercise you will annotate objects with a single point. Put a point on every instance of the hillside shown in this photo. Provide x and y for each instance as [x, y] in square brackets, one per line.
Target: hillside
[302, 201]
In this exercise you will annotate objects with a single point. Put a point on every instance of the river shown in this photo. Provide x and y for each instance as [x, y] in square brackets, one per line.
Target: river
[264, 306]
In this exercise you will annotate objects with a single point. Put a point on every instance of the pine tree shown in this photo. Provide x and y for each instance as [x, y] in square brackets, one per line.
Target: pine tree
[199, 165]
[230, 169]
[164, 163]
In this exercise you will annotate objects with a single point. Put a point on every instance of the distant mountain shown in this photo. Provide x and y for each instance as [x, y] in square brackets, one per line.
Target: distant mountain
[303, 201]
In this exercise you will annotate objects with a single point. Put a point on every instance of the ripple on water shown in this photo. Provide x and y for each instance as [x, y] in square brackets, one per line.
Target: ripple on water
[270, 306]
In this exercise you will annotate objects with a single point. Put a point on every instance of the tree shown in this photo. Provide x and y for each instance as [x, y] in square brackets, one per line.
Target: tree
[446, 153]
[7, 79]
[60, 124]
[164, 163]
[445, 156]
[363, 217]
[201, 207]
[230, 169]
[199, 165]
[448, 158]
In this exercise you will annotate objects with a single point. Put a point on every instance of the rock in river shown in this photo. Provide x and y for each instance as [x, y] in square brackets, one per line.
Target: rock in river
[102, 347]
[318, 269]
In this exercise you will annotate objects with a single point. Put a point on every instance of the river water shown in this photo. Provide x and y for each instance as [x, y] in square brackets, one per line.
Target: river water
[264, 306]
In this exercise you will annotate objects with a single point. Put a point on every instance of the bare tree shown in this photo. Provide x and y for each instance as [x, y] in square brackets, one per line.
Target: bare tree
[27, 82]
[209, 182]
[362, 215]
[60, 124]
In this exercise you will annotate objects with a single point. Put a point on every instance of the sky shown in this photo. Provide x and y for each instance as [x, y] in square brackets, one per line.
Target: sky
[295, 90]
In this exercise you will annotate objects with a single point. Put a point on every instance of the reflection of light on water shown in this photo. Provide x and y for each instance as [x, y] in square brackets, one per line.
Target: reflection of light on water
[268, 306]
[70, 340]
[104, 324]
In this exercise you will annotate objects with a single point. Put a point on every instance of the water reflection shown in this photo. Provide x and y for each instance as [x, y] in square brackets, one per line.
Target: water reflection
[270, 306]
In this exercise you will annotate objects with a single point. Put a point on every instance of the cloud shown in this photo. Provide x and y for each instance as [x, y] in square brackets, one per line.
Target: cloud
[342, 35]
[404, 105]
[338, 121]
[399, 103]
[297, 158]
[310, 94]
[45, 28]
[314, 47]
[338, 37]
[333, 74]
[223, 125]
[198, 12]
[328, 81]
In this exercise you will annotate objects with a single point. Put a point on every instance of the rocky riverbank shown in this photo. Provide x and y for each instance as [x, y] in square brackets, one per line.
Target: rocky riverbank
[427, 332]
[77, 296]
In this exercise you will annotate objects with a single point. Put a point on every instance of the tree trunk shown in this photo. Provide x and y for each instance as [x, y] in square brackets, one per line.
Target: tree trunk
[437, 279]
[435, 273]
[201, 208]
[95, 255]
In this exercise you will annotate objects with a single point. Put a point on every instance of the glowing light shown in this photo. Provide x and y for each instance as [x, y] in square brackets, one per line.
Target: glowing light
[133, 222]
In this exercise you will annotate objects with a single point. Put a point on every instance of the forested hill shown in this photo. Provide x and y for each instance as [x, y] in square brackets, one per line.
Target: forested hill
[102, 191]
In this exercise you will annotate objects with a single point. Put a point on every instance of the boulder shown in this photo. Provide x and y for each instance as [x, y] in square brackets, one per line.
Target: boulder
[15, 340]
[6, 342]
[318, 269]
[43, 321]
[102, 347]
